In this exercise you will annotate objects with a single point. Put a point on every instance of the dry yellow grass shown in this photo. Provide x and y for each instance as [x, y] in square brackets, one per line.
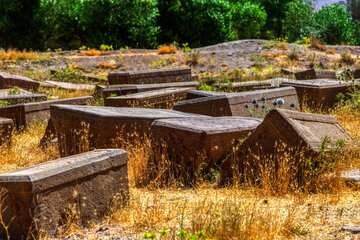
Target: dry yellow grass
[167, 49]
[15, 55]
[222, 213]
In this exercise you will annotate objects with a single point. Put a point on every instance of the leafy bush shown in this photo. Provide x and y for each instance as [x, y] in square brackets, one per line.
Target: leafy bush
[17, 23]
[247, 19]
[298, 20]
[333, 24]
[197, 22]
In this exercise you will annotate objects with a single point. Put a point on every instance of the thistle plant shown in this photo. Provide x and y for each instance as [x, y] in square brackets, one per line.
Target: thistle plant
[259, 108]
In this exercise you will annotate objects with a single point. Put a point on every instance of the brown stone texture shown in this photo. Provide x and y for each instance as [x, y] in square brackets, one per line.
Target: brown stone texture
[319, 93]
[186, 146]
[287, 131]
[316, 74]
[28, 113]
[163, 98]
[125, 89]
[37, 199]
[22, 97]
[8, 81]
[83, 128]
[72, 86]
[6, 129]
[151, 76]
[234, 104]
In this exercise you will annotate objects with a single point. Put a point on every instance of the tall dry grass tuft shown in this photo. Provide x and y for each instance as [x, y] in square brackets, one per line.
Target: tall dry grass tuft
[24, 150]
[167, 49]
[15, 55]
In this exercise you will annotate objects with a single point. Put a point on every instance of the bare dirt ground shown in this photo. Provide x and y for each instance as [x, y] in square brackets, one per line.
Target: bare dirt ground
[243, 54]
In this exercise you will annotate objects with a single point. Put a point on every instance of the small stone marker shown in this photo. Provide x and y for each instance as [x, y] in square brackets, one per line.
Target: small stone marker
[79, 128]
[151, 76]
[192, 143]
[316, 74]
[22, 96]
[319, 93]
[282, 128]
[9, 80]
[72, 86]
[6, 129]
[351, 176]
[244, 104]
[28, 113]
[36, 199]
[132, 88]
[163, 98]
[352, 229]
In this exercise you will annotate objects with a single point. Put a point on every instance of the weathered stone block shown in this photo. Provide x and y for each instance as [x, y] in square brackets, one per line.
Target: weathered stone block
[316, 74]
[132, 88]
[22, 97]
[185, 146]
[245, 86]
[319, 93]
[8, 80]
[351, 176]
[72, 86]
[151, 76]
[239, 104]
[283, 131]
[37, 199]
[27, 113]
[80, 128]
[163, 98]
[6, 129]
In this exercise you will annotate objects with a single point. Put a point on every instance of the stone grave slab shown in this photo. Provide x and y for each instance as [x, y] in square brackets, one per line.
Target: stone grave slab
[28, 113]
[316, 74]
[286, 131]
[133, 88]
[240, 104]
[351, 176]
[37, 198]
[22, 97]
[319, 93]
[151, 76]
[190, 144]
[79, 128]
[245, 86]
[72, 86]
[9, 80]
[6, 130]
[162, 98]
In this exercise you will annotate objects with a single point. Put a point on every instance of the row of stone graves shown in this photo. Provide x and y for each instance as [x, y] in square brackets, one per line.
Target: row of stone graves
[190, 131]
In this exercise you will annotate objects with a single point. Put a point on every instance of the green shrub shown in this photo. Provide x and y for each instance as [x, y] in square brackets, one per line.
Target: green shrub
[247, 19]
[298, 20]
[333, 25]
[197, 22]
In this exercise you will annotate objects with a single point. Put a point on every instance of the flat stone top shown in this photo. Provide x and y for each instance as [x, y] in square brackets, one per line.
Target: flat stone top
[318, 83]
[74, 86]
[11, 76]
[53, 173]
[210, 125]
[120, 112]
[5, 121]
[154, 93]
[154, 85]
[281, 91]
[5, 93]
[351, 175]
[159, 71]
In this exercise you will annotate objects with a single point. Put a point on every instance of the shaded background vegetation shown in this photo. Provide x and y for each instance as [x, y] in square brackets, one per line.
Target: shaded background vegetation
[70, 24]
